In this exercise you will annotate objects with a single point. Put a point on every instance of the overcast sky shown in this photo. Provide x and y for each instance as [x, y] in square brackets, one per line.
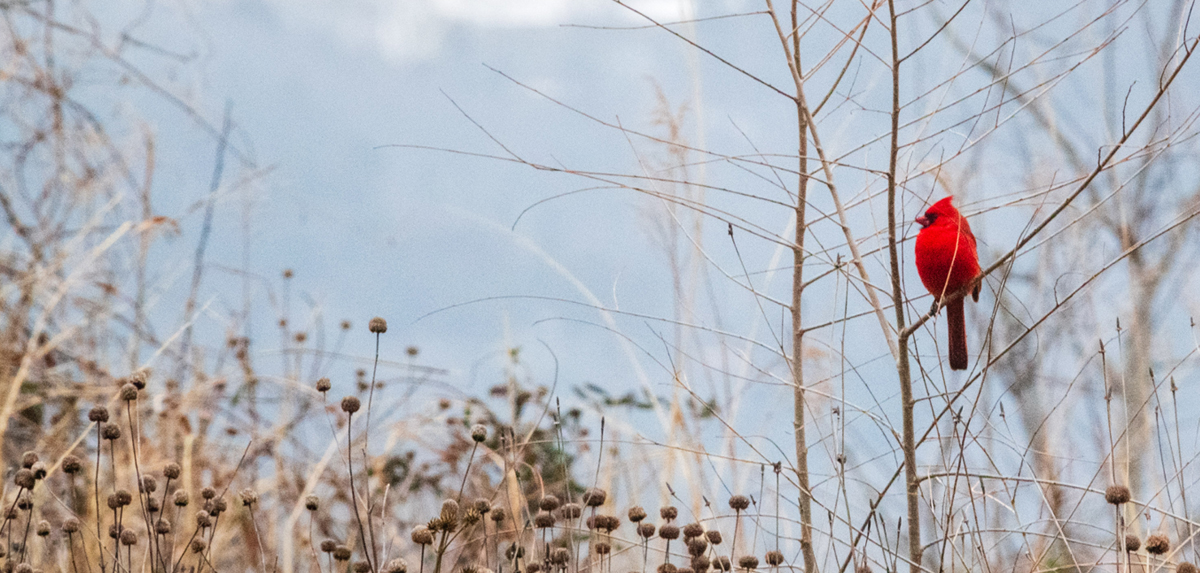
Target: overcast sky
[317, 87]
[322, 93]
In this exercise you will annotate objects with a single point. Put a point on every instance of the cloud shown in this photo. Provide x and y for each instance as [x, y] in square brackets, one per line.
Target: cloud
[414, 30]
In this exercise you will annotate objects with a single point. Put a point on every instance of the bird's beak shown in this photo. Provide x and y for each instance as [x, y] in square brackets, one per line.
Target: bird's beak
[922, 221]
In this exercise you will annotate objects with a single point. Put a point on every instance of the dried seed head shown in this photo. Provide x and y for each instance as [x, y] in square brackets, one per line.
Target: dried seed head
[396, 565]
[39, 470]
[645, 530]
[421, 535]
[570, 511]
[114, 532]
[139, 378]
[667, 568]
[478, 433]
[351, 404]
[603, 522]
[128, 537]
[71, 525]
[739, 502]
[449, 510]
[1157, 544]
[342, 553]
[199, 545]
[669, 532]
[28, 459]
[533, 567]
[1117, 494]
[863, 567]
[697, 546]
[637, 514]
[1132, 543]
[203, 519]
[748, 562]
[24, 502]
[722, 563]
[148, 485]
[43, 528]
[328, 545]
[560, 556]
[471, 517]
[362, 567]
[124, 498]
[594, 497]
[668, 513]
[483, 506]
[514, 551]
[1186, 567]
[162, 527]
[693, 530]
[543, 520]
[72, 465]
[129, 393]
[323, 385]
[152, 504]
[684, 570]
[312, 503]
[208, 493]
[98, 414]
[180, 499]
[548, 503]
[497, 513]
[172, 471]
[110, 432]
[24, 478]
[23, 568]
[219, 506]
[377, 325]
[249, 497]
[700, 563]
[602, 548]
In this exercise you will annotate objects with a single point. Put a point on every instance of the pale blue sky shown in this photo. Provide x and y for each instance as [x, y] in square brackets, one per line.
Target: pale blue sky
[400, 232]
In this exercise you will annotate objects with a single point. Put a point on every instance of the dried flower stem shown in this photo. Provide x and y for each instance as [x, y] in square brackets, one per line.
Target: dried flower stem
[71, 551]
[466, 473]
[96, 489]
[366, 460]
[353, 494]
[137, 472]
[28, 524]
[258, 538]
[311, 546]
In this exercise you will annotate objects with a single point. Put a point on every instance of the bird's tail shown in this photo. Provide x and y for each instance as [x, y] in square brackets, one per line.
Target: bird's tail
[958, 335]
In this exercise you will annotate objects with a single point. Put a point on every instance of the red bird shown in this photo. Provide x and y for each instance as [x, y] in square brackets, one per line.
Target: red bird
[947, 263]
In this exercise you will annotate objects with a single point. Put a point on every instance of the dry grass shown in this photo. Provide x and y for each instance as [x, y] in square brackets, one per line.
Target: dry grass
[1069, 446]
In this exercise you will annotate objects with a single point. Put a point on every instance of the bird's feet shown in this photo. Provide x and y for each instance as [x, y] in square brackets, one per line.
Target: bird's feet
[933, 309]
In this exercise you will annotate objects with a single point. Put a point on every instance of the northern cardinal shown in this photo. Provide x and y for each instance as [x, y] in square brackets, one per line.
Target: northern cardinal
[947, 263]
